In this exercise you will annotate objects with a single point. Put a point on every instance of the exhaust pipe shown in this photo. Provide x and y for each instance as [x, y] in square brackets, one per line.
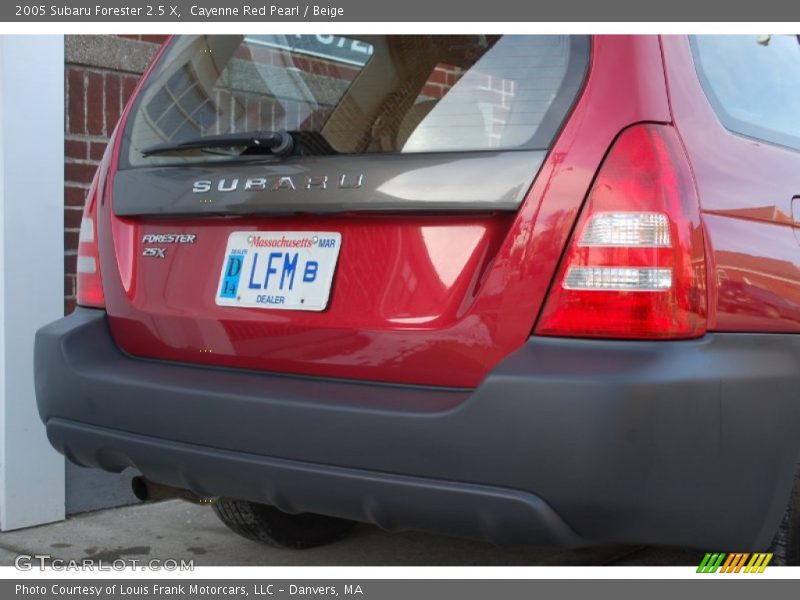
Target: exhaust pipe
[150, 491]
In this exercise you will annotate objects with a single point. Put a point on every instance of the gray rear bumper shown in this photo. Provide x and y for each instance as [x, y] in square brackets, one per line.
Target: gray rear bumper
[567, 442]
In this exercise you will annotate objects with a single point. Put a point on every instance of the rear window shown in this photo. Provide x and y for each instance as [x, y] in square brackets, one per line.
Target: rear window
[343, 95]
[753, 84]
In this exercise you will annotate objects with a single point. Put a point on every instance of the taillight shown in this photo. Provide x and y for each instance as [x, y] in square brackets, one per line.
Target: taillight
[90, 287]
[635, 267]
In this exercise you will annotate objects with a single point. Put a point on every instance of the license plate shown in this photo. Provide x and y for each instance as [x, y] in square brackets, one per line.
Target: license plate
[278, 269]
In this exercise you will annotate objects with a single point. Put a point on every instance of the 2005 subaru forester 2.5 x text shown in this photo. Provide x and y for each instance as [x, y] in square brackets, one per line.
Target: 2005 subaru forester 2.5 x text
[526, 289]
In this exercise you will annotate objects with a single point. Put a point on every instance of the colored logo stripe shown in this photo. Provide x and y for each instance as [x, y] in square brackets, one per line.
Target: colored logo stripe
[735, 562]
[711, 562]
[758, 563]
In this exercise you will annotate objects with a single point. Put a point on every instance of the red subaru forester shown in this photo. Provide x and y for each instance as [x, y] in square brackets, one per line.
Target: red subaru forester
[528, 289]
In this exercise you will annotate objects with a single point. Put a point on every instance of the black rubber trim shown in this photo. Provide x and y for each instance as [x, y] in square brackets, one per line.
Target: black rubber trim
[688, 443]
[567, 95]
[393, 502]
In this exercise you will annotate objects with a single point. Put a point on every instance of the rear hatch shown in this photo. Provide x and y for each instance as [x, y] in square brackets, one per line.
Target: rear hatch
[335, 206]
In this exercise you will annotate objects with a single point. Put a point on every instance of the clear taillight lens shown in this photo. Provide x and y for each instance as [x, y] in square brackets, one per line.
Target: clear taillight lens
[619, 279]
[640, 230]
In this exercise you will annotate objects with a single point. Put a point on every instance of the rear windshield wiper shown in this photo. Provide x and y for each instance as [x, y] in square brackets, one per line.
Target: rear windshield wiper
[277, 142]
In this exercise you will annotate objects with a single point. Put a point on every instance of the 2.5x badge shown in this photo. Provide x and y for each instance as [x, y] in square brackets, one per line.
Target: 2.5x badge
[164, 238]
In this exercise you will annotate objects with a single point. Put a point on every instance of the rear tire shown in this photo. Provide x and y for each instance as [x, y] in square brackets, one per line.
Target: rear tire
[786, 544]
[268, 525]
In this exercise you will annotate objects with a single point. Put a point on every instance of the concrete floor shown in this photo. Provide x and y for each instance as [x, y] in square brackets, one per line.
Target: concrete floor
[179, 530]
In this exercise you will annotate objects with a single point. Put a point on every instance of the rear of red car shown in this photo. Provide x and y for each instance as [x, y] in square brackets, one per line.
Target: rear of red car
[457, 283]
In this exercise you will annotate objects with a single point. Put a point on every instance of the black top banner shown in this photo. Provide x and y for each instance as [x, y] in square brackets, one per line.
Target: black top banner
[291, 11]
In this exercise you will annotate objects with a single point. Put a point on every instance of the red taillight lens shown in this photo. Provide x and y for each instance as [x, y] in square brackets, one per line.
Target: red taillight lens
[90, 286]
[635, 267]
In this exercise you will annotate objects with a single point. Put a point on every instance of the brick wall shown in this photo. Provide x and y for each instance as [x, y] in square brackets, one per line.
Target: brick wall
[100, 72]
